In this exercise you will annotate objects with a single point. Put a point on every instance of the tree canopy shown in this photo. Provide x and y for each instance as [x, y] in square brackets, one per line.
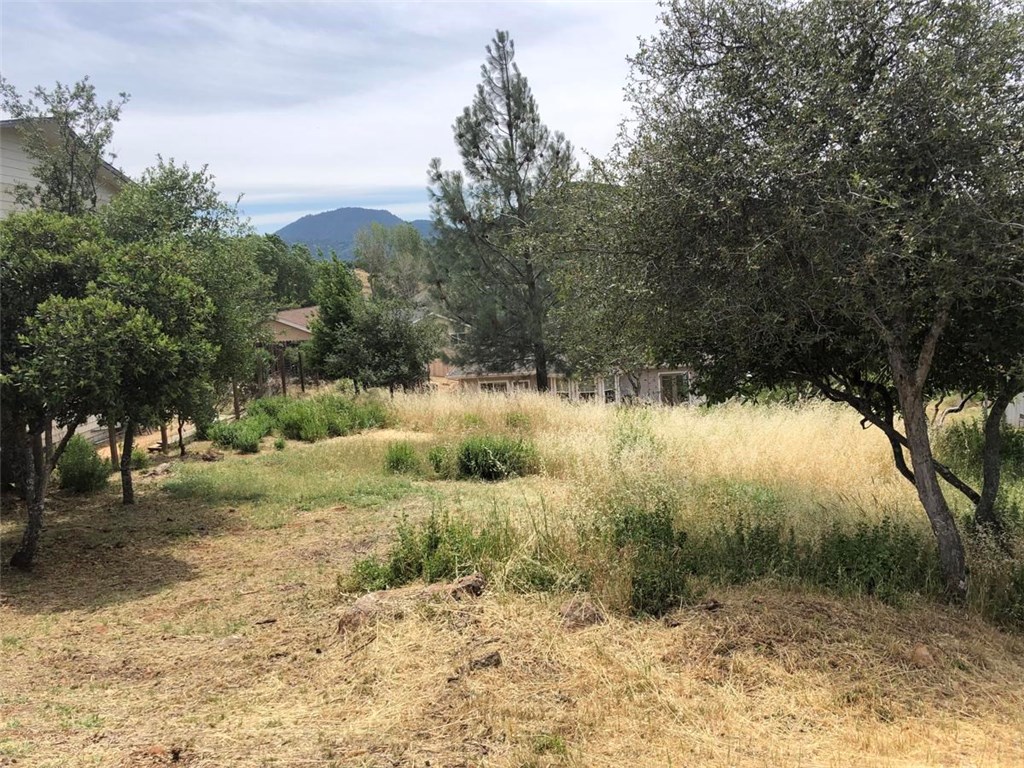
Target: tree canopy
[828, 193]
[489, 265]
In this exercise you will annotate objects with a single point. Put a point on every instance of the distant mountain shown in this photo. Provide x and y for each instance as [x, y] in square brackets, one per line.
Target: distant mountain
[337, 229]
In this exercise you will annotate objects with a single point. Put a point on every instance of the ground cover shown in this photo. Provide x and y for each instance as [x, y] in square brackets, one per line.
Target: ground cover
[200, 627]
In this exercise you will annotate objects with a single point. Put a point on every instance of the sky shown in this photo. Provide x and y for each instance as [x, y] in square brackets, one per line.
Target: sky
[307, 107]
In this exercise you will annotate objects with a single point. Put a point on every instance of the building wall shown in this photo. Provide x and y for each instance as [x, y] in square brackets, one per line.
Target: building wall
[282, 332]
[16, 168]
[1015, 413]
[613, 388]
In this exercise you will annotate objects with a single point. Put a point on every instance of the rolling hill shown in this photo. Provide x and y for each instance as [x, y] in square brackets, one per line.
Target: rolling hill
[337, 229]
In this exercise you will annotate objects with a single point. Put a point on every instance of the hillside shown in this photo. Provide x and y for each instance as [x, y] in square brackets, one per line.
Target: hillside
[337, 229]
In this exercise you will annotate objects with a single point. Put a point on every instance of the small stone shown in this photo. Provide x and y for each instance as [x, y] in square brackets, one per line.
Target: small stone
[921, 656]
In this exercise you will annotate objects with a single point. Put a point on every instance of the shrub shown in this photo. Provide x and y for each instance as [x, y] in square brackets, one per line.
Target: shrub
[401, 458]
[243, 435]
[302, 420]
[81, 469]
[279, 444]
[491, 457]
[140, 458]
[960, 446]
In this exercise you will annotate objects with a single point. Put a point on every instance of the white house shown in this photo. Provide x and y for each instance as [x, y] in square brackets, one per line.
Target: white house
[16, 167]
[1015, 412]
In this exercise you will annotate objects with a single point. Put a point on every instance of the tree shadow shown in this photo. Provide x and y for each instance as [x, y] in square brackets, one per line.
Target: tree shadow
[95, 552]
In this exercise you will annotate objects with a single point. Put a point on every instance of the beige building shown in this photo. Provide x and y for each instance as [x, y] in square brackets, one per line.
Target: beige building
[16, 167]
[292, 325]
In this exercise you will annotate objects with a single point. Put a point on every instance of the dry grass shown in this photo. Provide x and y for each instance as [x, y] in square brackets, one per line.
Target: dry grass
[200, 630]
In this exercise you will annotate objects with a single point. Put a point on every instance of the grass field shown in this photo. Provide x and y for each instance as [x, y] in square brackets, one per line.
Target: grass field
[199, 627]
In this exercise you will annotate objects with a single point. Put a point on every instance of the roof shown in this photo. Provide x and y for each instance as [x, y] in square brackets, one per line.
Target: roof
[18, 123]
[296, 318]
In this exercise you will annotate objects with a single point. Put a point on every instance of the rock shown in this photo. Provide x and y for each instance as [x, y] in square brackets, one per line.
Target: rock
[158, 470]
[472, 585]
[580, 611]
[211, 456]
[391, 603]
[921, 656]
[487, 661]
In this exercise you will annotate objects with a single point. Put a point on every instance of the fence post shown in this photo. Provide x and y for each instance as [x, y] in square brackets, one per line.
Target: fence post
[302, 376]
[280, 365]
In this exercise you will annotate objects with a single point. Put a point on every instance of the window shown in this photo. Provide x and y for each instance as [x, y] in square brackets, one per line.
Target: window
[675, 388]
[608, 384]
[562, 387]
[521, 385]
[588, 389]
[494, 386]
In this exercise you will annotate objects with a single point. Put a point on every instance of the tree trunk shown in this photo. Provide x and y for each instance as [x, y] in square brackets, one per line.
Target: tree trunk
[127, 490]
[302, 374]
[985, 514]
[540, 359]
[181, 437]
[34, 501]
[164, 442]
[235, 401]
[951, 547]
[49, 439]
[112, 441]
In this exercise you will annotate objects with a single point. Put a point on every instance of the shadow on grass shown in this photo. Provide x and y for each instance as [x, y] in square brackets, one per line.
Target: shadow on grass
[95, 552]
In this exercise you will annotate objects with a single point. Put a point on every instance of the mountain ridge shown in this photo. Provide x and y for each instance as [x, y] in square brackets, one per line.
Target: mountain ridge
[336, 229]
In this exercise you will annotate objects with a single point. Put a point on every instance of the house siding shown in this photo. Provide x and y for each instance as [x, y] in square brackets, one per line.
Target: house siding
[16, 167]
[1015, 412]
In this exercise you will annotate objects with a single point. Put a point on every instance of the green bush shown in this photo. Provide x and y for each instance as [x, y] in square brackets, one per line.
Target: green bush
[302, 420]
[243, 435]
[81, 469]
[401, 459]
[495, 457]
[279, 444]
[960, 447]
[140, 458]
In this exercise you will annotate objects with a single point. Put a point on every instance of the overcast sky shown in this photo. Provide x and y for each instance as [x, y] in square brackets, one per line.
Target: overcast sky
[305, 107]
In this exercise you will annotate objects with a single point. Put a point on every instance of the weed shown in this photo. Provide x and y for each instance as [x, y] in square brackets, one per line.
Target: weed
[279, 444]
[401, 458]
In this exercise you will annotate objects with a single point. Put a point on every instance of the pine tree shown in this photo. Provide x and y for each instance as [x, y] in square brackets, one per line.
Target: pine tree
[490, 269]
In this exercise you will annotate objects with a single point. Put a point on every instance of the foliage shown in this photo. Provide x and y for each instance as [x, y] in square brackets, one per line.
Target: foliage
[401, 458]
[291, 270]
[67, 133]
[395, 258]
[243, 435]
[279, 444]
[960, 446]
[335, 345]
[374, 341]
[81, 469]
[140, 458]
[650, 545]
[817, 193]
[496, 457]
[490, 260]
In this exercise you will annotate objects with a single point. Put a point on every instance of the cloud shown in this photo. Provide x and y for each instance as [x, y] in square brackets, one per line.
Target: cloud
[321, 101]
